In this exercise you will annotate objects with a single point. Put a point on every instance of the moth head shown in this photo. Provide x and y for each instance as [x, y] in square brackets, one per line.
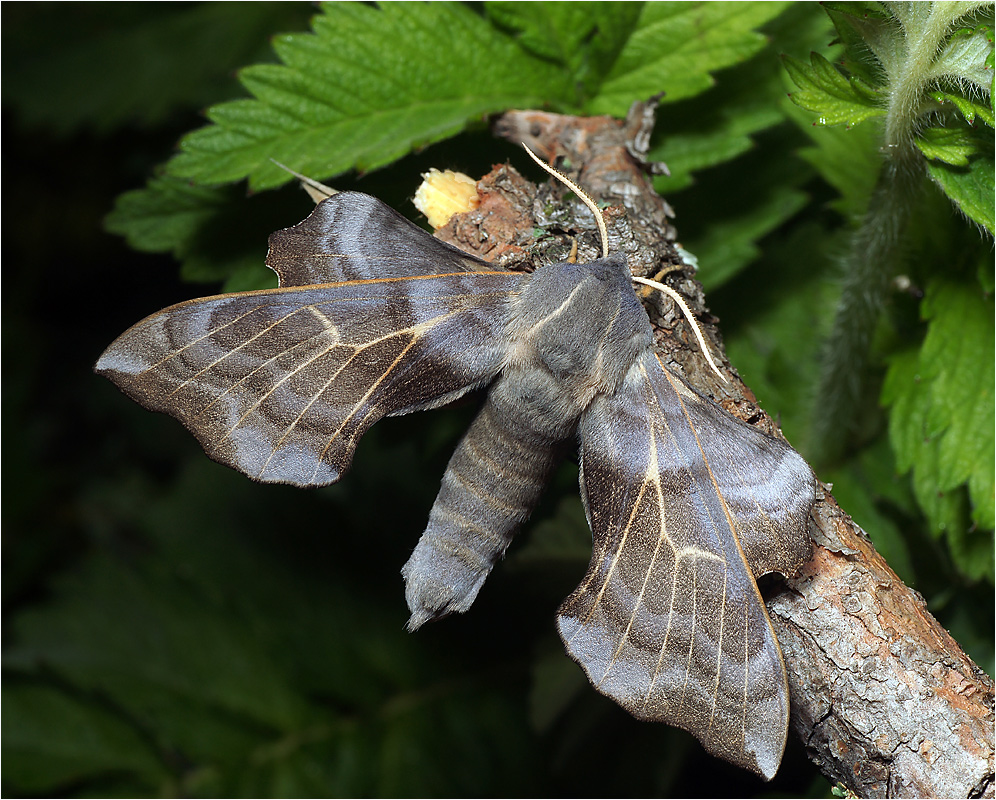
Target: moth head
[603, 233]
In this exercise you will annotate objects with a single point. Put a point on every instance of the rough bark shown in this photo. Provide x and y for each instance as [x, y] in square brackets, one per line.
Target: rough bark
[886, 702]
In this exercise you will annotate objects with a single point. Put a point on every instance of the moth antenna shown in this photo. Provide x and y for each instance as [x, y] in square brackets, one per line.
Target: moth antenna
[317, 191]
[688, 315]
[581, 193]
[603, 233]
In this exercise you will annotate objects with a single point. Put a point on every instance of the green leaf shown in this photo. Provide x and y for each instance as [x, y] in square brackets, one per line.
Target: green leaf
[584, 38]
[165, 215]
[789, 294]
[966, 56]
[726, 244]
[341, 100]
[950, 145]
[958, 356]
[942, 419]
[870, 36]
[719, 125]
[846, 158]
[968, 107]
[725, 212]
[675, 48]
[971, 189]
[212, 231]
[837, 100]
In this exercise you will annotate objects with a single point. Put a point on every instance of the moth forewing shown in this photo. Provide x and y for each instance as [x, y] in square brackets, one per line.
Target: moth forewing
[281, 384]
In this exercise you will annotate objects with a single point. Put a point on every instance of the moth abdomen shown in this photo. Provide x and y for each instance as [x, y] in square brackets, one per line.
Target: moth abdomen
[490, 488]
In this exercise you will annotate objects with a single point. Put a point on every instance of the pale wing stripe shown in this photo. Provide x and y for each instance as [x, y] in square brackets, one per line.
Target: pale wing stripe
[612, 565]
[246, 343]
[692, 553]
[719, 649]
[263, 366]
[667, 637]
[357, 350]
[290, 428]
[744, 700]
[654, 481]
[736, 542]
[691, 639]
[292, 372]
[314, 309]
[653, 478]
[639, 600]
[173, 354]
[416, 331]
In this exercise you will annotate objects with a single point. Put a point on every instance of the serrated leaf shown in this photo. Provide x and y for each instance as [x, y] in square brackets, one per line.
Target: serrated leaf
[675, 48]
[871, 38]
[212, 231]
[846, 158]
[971, 189]
[342, 100]
[837, 100]
[763, 340]
[951, 145]
[941, 419]
[968, 107]
[719, 125]
[729, 245]
[164, 215]
[958, 356]
[585, 38]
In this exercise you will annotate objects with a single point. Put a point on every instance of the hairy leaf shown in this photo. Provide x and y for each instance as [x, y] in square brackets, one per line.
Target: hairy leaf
[950, 145]
[968, 107]
[971, 188]
[837, 100]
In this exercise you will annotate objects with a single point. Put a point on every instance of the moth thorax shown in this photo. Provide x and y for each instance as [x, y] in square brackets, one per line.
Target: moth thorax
[581, 324]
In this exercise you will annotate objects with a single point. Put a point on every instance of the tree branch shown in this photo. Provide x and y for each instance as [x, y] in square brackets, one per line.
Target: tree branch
[884, 699]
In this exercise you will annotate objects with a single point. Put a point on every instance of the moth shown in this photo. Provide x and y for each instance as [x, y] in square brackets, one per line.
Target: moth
[374, 317]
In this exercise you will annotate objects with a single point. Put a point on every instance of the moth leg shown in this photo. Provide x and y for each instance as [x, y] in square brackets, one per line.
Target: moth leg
[491, 485]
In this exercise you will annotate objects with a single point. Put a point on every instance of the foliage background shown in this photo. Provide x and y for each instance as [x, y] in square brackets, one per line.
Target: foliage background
[172, 628]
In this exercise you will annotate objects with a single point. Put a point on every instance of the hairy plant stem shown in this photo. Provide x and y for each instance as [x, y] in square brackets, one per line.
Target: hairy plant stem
[876, 253]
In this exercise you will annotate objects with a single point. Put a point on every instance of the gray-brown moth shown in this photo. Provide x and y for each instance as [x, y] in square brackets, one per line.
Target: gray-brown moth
[687, 505]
